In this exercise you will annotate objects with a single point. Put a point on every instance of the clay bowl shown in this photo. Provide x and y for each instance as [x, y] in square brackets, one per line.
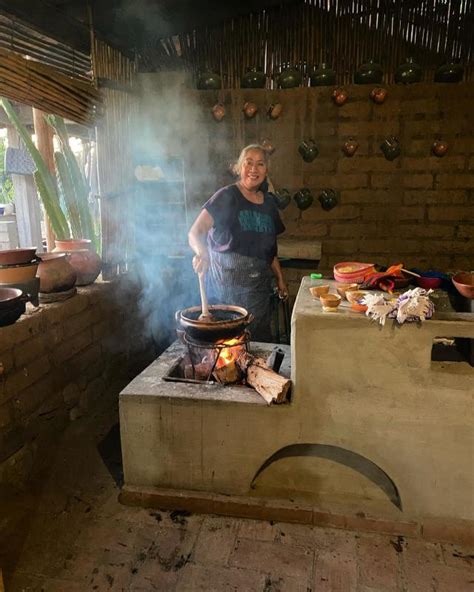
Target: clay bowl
[343, 288]
[10, 298]
[17, 256]
[354, 295]
[464, 283]
[358, 307]
[429, 283]
[317, 291]
[330, 302]
[15, 274]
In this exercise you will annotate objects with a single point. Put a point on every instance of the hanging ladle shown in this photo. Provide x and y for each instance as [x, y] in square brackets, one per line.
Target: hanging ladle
[205, 314]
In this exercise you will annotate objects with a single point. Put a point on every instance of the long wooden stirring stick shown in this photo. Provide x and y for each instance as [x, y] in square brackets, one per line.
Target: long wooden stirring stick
[205, 314]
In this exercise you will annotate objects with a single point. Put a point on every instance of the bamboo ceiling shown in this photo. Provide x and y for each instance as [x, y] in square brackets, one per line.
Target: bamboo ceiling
[343, 33]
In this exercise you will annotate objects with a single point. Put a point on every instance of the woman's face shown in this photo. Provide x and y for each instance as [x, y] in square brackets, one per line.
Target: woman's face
[254, 170]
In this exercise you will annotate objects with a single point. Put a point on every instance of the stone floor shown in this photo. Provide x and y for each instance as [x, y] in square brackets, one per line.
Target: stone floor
[68, 533]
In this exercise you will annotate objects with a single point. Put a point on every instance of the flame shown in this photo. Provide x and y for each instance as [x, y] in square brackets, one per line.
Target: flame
[228, 354]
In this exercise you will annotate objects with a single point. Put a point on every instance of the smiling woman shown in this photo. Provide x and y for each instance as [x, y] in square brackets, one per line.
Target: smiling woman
[234, 239]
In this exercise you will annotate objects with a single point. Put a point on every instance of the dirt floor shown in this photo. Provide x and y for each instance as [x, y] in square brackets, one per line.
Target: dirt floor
[68, 533]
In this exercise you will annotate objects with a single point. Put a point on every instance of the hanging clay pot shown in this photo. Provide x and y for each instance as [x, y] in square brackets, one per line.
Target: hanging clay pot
[86, 263]
[267, 146]
[209, 81]
[339, 96]
[289, 78]
[439, 148]
[350, 147]
[274, 110]
[250, 110]
[254, 77]
[303, 198]
[282, 198]
[55, 273]
[308, 150]
[370, 72]
[452, 71]
[391, 148]
[328, 198]
[218, 111]
[378, 95]
[323, 75]
[408, 72]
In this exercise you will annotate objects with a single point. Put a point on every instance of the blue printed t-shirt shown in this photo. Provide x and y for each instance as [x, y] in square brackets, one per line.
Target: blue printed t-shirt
[243, 227]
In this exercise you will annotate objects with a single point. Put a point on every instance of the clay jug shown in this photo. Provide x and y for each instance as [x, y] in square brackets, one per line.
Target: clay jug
[250, 110]
[378, 95]
[350, 147]
[209, 81]
[450, 72]
[274, 110]
[408, 72]
[303, 198]
[339, 96]
[328, 199]
[254, 77]
[369, 73]
[218, 111]
[289, 78]
[323, 75]
[55, 273]
[282, 198]
[86, 263]
[439, 148]
[268, 146]
[308, 150]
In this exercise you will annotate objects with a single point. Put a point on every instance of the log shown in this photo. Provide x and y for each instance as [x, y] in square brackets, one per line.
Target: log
[271, 386]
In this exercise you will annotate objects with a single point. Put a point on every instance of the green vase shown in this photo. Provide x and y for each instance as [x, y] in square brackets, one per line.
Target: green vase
[254, 77]
[289, 78]
[209, 81]
[303, 198]
[452, 71]
[282, 198]
[408, 72]
[370, 72]
[328, 199]
[323, 75]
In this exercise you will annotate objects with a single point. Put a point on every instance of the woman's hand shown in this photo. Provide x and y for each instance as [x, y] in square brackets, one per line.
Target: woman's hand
[200, 263]
[282, 289]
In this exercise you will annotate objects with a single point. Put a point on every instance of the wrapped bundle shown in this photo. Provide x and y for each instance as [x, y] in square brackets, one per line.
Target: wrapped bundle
[412, 306]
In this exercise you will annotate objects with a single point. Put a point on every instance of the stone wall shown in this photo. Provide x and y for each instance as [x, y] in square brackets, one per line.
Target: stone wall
[418, 209]
[57, 360]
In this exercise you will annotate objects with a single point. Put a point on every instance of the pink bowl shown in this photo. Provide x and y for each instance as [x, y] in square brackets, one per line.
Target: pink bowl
[429, 283]
[464, 282]
[352, 272]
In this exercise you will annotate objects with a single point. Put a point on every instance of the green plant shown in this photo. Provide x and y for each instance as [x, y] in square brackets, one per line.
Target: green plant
[7, 193]
[44, 180]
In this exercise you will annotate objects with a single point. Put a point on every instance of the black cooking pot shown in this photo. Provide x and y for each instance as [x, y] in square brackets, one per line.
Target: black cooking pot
[228, 322]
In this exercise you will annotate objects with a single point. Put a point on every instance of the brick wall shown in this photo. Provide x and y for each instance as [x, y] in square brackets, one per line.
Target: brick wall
[57, 360]
[418, 209]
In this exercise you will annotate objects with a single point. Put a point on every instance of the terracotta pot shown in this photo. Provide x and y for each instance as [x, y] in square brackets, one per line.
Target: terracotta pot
[86, 263]
[339, 96]
[274, 110]
[439, 148]
[350, 147]
[250, 110]
[218, 111]
[268, 146]
[17, 256]
[378, 95]
[55, 273]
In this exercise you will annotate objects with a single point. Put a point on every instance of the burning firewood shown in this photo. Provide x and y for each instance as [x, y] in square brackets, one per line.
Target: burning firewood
[271, 386]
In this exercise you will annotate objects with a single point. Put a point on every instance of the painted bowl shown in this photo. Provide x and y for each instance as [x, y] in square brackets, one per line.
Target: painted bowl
[350, 272]
[317, 291]
[343, 288]
[464, 283]
[330, 302]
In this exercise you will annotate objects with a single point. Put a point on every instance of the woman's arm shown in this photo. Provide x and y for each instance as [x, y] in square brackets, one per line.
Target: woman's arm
[197, 238]
[282, 287]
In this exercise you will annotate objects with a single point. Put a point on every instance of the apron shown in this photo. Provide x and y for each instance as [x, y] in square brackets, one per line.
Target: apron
[242, 281]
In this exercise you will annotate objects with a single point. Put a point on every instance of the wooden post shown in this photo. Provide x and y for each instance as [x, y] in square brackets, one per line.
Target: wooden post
[44, 143]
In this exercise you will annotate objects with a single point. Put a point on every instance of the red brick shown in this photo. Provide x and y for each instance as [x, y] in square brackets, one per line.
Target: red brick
[423, 106]
[417, 181]
[360, 110]
[320, 165]
[455, 214]
[341, 212]
[6, 363]
[464, 247]
[72, 346]
[425, 129]
[340, 247]
[306, 229]
[369, 128]
[465, 232]
[26, 376]
[460, 181]
[371, 196]
[6, 416]
[434, 197]
[28, 350]
[365, 164]
[432, 163]
[422, 230]
[335, 572]
[378, 563]
[28, 400]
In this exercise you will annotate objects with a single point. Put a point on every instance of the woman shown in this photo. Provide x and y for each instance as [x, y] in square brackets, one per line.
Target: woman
[234, 238]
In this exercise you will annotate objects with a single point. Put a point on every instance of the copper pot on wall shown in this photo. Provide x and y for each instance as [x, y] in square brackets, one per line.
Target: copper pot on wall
[250, 110]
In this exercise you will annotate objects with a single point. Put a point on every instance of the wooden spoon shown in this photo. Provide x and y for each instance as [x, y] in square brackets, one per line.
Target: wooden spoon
[205, 314]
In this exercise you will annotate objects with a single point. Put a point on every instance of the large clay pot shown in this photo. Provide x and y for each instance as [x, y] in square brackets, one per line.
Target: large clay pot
[55, 273]
[86, 263]
[451, 72]
[323, 75]
[289, 78]
[408, 72]
[254, 77]
[369, 73]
